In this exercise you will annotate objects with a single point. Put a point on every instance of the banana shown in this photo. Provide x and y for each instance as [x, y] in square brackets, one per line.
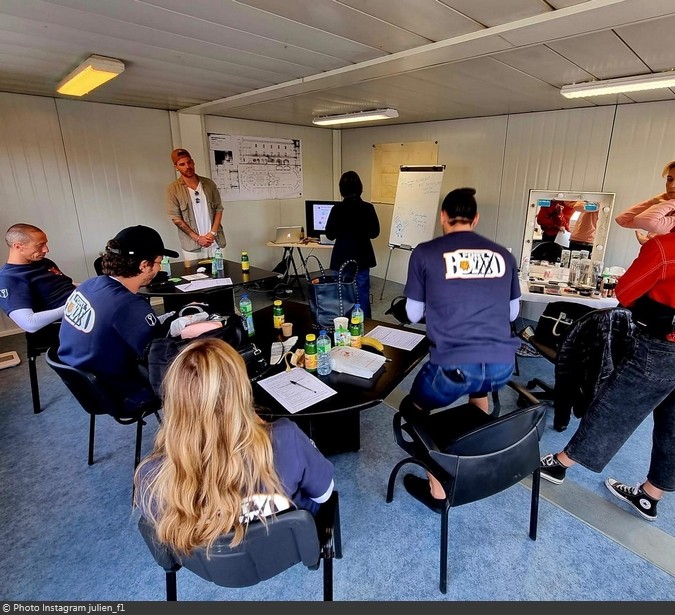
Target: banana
[372, 342]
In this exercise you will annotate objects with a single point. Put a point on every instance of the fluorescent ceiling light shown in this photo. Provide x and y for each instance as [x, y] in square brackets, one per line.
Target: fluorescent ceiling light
[617, 86]
[94, 71]
[358, 116]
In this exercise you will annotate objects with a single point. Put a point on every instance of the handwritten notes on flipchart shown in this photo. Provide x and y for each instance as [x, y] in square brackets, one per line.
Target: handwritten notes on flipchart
[416, 206]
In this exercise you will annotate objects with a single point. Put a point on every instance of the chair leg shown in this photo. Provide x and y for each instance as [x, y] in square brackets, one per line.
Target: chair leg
[139, 440]
[328, 579]
[171, 592]
[443, 582]
[534, 504]
[34, 386]
[337, 532]
[92, 429]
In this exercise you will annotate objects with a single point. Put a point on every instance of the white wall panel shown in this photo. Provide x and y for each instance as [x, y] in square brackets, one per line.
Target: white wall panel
[249, 225]
[471, 149]
[35, 183]
[556, 150]
[641, 147]
[119, 163]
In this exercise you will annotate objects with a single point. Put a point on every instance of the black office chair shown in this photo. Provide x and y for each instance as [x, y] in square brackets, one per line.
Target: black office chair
[548, 251]
[473, 456]
[289, 538]
[95, 399]
[98, 265]
[36, 343]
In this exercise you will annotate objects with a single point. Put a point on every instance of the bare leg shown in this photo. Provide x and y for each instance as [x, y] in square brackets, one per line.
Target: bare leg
[650, 490]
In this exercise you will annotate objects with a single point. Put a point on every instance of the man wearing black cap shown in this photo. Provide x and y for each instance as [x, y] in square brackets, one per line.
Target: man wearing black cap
[106, 325]
[195, 207]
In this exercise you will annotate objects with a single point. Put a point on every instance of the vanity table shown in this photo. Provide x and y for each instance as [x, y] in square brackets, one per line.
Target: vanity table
[532, 304]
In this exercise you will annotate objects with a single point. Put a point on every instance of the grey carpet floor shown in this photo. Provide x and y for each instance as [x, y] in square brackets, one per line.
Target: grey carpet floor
[67, 532]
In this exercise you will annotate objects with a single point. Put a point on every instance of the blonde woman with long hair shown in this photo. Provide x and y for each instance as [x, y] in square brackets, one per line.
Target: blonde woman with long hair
[214, 460]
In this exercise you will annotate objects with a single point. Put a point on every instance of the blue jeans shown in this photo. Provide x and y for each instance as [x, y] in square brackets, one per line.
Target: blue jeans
[363, 286]
[436, 386]
[642, 384]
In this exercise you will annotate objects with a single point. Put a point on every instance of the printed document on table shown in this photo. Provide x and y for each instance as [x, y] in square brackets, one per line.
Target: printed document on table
[297, 389]
[405, 340]
[202, 284]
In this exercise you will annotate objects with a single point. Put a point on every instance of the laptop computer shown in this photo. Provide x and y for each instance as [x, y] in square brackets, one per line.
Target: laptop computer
[289, 234]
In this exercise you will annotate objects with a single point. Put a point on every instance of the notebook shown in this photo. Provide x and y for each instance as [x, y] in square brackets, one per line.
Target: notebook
[289, 234]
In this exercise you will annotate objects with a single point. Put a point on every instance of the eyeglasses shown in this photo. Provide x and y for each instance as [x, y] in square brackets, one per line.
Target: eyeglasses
[197, 196]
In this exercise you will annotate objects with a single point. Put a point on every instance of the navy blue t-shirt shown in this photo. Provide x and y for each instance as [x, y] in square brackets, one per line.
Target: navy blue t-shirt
[38, 286]
[106, 328]
[304, 472]
[467, 283]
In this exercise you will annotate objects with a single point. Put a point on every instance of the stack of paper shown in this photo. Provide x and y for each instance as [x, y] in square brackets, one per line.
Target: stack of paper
[355, 361]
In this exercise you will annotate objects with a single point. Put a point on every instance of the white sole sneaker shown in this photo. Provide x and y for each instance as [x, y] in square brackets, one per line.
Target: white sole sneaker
[645, 503]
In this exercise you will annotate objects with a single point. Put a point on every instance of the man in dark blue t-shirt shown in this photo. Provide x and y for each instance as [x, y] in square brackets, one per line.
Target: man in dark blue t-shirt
[106, 325]
[33, 290]
[467, 288]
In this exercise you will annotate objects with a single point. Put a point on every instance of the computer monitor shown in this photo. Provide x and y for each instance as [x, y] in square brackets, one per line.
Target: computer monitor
[317, 215]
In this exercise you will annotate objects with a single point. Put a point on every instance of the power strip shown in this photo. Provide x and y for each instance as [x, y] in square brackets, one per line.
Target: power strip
[9, 359]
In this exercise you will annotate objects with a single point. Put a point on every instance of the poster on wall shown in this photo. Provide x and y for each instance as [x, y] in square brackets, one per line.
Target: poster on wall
[255, 168]
[387, 160]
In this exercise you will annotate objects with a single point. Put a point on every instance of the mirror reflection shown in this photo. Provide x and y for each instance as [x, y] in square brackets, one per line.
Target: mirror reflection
[560, 223]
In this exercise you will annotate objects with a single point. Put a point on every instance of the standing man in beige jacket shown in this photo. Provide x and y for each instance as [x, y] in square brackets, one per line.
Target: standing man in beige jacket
[194, 205]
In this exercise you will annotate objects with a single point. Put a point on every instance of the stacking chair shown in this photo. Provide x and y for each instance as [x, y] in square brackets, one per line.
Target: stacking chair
[289, 538]
[473, 456]
[37, 343]
[96, 400]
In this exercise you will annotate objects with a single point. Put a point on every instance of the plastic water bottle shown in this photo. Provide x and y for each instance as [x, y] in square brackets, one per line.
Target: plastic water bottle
[357, 318]
[166, 265]
[218, 260]
[246, 309]
[324, 361]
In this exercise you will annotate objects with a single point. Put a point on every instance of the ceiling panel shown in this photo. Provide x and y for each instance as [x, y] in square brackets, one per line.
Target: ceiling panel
[288, 61]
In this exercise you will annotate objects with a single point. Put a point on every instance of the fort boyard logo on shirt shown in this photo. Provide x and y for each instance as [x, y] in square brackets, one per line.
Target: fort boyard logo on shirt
[79, 312]
[471, 264]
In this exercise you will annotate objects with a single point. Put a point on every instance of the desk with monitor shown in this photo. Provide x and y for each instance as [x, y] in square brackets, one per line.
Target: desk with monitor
[219, 298]
[289, 251]
[334, 423]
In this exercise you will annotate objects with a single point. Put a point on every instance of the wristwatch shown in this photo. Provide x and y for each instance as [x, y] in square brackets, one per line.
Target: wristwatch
[212, 233]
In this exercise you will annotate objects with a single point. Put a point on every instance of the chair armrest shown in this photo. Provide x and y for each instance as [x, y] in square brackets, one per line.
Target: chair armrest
[522, 391]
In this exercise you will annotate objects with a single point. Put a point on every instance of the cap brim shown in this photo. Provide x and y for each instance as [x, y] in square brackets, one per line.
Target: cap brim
[172, 253]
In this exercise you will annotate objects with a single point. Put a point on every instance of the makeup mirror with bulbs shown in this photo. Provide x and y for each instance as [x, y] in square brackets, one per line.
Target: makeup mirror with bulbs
[541, 248]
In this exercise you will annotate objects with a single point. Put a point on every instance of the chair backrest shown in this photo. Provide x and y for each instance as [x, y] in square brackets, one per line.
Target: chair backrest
[98, 265]
[85, 386]
[493, 457]
[42, 339]
[267, 550]
[547, 251]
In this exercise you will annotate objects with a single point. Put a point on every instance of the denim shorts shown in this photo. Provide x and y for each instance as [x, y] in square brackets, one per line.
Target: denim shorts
[436, 386]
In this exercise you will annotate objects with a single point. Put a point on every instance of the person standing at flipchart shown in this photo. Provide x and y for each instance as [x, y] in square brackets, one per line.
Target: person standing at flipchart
[352, 224]
[467, 288]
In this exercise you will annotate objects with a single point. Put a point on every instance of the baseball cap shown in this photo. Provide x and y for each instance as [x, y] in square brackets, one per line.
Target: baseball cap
[141, 241]
[179, 153]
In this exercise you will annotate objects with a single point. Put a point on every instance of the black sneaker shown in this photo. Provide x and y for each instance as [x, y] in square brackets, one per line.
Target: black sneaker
[643, 504]
[419, 489]
[552, 470]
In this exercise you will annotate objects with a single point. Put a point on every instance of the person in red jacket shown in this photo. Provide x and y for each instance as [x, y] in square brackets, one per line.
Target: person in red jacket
[556, 217]
[642, 384]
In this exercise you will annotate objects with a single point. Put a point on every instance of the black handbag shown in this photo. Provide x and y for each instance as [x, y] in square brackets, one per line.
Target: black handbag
[331, 295]
[161, 351]
[556, 320]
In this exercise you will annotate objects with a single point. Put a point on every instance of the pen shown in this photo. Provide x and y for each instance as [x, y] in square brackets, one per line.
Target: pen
[301, 385]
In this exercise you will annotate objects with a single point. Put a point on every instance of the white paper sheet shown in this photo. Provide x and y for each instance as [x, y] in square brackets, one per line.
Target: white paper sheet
[202, 284]
[297, 389]
[405, 340]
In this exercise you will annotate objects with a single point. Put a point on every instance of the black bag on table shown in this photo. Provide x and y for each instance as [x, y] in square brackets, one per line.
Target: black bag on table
[331, 296]
[162, 351]
[556, 320]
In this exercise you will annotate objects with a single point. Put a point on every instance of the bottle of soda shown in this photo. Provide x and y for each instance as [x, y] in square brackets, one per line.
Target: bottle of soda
[278, 314]
[310, 352]
[358, 318]
[246, 309]
[245, 265]
[324, 361]
[355, 333]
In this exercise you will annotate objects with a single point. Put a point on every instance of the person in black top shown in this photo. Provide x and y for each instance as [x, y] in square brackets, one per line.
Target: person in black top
[352, 224]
